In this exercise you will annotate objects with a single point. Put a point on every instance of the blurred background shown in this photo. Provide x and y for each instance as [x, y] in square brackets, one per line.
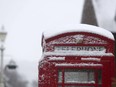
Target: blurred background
[26, 20]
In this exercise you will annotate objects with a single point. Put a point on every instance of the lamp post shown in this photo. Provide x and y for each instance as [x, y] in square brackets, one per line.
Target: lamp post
[2, 39]
[11, 65]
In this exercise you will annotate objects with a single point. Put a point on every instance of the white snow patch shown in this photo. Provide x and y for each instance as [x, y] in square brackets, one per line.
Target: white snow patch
[81, 53]
[79, 64]
[88, 82]
[80, 28]
[56, 58]
[91, 59]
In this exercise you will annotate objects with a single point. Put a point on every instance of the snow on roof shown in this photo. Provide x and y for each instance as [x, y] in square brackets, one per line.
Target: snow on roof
[106, 21]
[79, 28]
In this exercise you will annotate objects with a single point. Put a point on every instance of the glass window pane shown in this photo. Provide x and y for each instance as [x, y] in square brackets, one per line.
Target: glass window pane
[91, 76]
[79, 76]
[99, 77]
[59, 76]
[59, 86]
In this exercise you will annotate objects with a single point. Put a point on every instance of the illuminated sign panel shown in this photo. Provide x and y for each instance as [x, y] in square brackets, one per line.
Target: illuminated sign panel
[80, 48]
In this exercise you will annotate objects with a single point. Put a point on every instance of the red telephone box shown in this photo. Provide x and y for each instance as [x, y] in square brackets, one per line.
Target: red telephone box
[83, 57]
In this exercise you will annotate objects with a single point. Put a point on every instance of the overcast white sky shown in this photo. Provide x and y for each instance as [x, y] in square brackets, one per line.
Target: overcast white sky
[25, 20]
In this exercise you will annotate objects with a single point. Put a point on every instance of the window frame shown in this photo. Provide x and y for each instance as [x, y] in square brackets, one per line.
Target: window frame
[63, 84]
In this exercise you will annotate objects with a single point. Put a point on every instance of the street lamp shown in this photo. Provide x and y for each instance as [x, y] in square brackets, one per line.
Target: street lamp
[11, 65]
[2, 39]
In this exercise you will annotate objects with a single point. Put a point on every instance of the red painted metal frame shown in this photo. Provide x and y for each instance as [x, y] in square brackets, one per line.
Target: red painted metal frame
[48, 71]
